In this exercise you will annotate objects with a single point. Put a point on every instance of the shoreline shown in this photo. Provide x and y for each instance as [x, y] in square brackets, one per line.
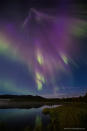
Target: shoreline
[24, 104]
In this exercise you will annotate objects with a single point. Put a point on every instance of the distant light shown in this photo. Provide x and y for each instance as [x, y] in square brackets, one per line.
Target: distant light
[40, 77]
[39, 80]
[40, 58]
[39, 85]
[64, 58]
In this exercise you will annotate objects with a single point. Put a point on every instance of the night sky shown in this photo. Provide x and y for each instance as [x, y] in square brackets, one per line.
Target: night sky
[43, 47]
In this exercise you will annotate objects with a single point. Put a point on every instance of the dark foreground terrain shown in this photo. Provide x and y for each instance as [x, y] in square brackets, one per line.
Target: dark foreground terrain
[70, 115]
[73, 116]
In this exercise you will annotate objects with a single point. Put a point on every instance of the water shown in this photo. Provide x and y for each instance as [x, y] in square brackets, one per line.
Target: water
[19, 119]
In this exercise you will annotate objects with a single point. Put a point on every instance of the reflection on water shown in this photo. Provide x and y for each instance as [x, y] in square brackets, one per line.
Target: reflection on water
[19, 119]
[51, 106]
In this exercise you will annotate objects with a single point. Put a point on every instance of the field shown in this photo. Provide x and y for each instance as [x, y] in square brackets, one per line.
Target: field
[68, 117]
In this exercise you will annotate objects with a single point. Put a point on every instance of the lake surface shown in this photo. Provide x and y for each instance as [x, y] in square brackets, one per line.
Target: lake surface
[20, 119]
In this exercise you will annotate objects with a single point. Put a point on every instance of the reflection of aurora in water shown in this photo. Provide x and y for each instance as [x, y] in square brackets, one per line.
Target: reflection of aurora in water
[19, 119]
[45, 56]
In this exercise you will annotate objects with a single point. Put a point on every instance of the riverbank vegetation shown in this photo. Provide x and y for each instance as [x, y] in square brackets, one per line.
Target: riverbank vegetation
[67, 116]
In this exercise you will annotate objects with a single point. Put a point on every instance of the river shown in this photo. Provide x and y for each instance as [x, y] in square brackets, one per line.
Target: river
[20, 119]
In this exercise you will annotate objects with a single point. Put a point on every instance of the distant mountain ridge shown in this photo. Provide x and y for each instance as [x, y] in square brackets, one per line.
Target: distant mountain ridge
[39, 98]
[20, 97]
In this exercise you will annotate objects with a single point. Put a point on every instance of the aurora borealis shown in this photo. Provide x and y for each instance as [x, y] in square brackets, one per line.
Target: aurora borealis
[43, 48]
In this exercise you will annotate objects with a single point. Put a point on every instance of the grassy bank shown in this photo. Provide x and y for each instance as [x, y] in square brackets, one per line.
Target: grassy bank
[67, 116]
